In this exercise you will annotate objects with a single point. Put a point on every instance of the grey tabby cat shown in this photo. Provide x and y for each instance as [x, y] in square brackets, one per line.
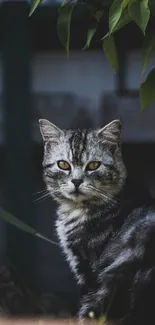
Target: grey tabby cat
[108, 243]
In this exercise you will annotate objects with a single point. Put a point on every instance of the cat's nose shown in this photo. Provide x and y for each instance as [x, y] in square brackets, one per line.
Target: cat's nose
[77, 182]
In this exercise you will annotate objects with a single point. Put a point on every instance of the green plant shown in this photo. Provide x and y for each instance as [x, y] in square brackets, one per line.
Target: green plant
[9, 218]
[120, 13]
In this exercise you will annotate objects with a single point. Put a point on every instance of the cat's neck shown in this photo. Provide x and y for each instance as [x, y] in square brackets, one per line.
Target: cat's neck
[69, 211]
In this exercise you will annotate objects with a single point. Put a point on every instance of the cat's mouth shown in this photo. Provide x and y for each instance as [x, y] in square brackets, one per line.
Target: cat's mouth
[77, 196]
[76, 192]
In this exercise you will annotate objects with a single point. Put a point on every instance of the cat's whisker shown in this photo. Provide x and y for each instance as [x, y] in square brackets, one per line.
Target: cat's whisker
[46, 194]
[106, 196]
[109, 196]
[40, 192]
[42, 198]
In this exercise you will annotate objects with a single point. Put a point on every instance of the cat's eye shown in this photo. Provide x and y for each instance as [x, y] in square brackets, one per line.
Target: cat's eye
[93, 165]
[62, 164]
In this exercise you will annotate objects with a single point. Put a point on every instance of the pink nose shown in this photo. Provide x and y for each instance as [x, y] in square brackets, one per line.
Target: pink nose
[77, 182]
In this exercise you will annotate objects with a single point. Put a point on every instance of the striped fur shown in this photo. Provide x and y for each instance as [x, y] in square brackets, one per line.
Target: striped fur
[107, 243]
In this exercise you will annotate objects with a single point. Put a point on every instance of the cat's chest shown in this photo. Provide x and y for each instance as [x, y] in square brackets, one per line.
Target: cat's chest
[77, 228]
[81, 236]
[71, 228]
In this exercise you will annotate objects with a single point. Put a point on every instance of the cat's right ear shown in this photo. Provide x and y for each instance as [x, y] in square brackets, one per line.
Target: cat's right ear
[111, 131]
[49, 131]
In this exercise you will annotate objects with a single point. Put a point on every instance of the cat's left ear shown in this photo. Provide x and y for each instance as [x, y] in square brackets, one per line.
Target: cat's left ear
[111, 132]
[49, 131]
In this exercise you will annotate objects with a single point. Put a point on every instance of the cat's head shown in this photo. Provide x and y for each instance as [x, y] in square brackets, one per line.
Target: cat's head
[83, 165]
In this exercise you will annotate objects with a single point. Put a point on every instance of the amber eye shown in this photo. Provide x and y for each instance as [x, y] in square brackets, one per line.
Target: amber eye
[93, 165]
[62, 164]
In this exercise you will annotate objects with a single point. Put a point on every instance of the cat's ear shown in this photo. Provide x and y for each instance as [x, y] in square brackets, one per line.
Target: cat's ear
[111, 132]
[49, 131]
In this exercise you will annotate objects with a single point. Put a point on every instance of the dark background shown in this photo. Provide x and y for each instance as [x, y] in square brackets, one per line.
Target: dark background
[38, 80]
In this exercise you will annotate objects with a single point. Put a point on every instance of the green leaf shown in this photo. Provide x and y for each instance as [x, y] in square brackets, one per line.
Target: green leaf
[148, 49]
[123, 21]
[34, 5]
[98, 14]
[118, 15]
[140, 13]
[105, 36]
[115, 12]
[147, 90]
[65, 3]
[124, 4]
[64, 22]
[9, 218]
[102, 320]
[90, 34]
[110, 52]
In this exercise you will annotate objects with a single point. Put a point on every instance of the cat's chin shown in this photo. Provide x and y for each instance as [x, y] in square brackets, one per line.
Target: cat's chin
[72, 196]
[76, 197]
[80, 198]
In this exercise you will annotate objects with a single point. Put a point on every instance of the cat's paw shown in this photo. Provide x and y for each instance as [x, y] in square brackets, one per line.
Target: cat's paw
[84, 311]
[89, 310]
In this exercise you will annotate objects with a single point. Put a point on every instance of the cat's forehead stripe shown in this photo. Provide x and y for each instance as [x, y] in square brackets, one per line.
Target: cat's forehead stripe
[84, 143]
[75, 145]
[78, 141]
